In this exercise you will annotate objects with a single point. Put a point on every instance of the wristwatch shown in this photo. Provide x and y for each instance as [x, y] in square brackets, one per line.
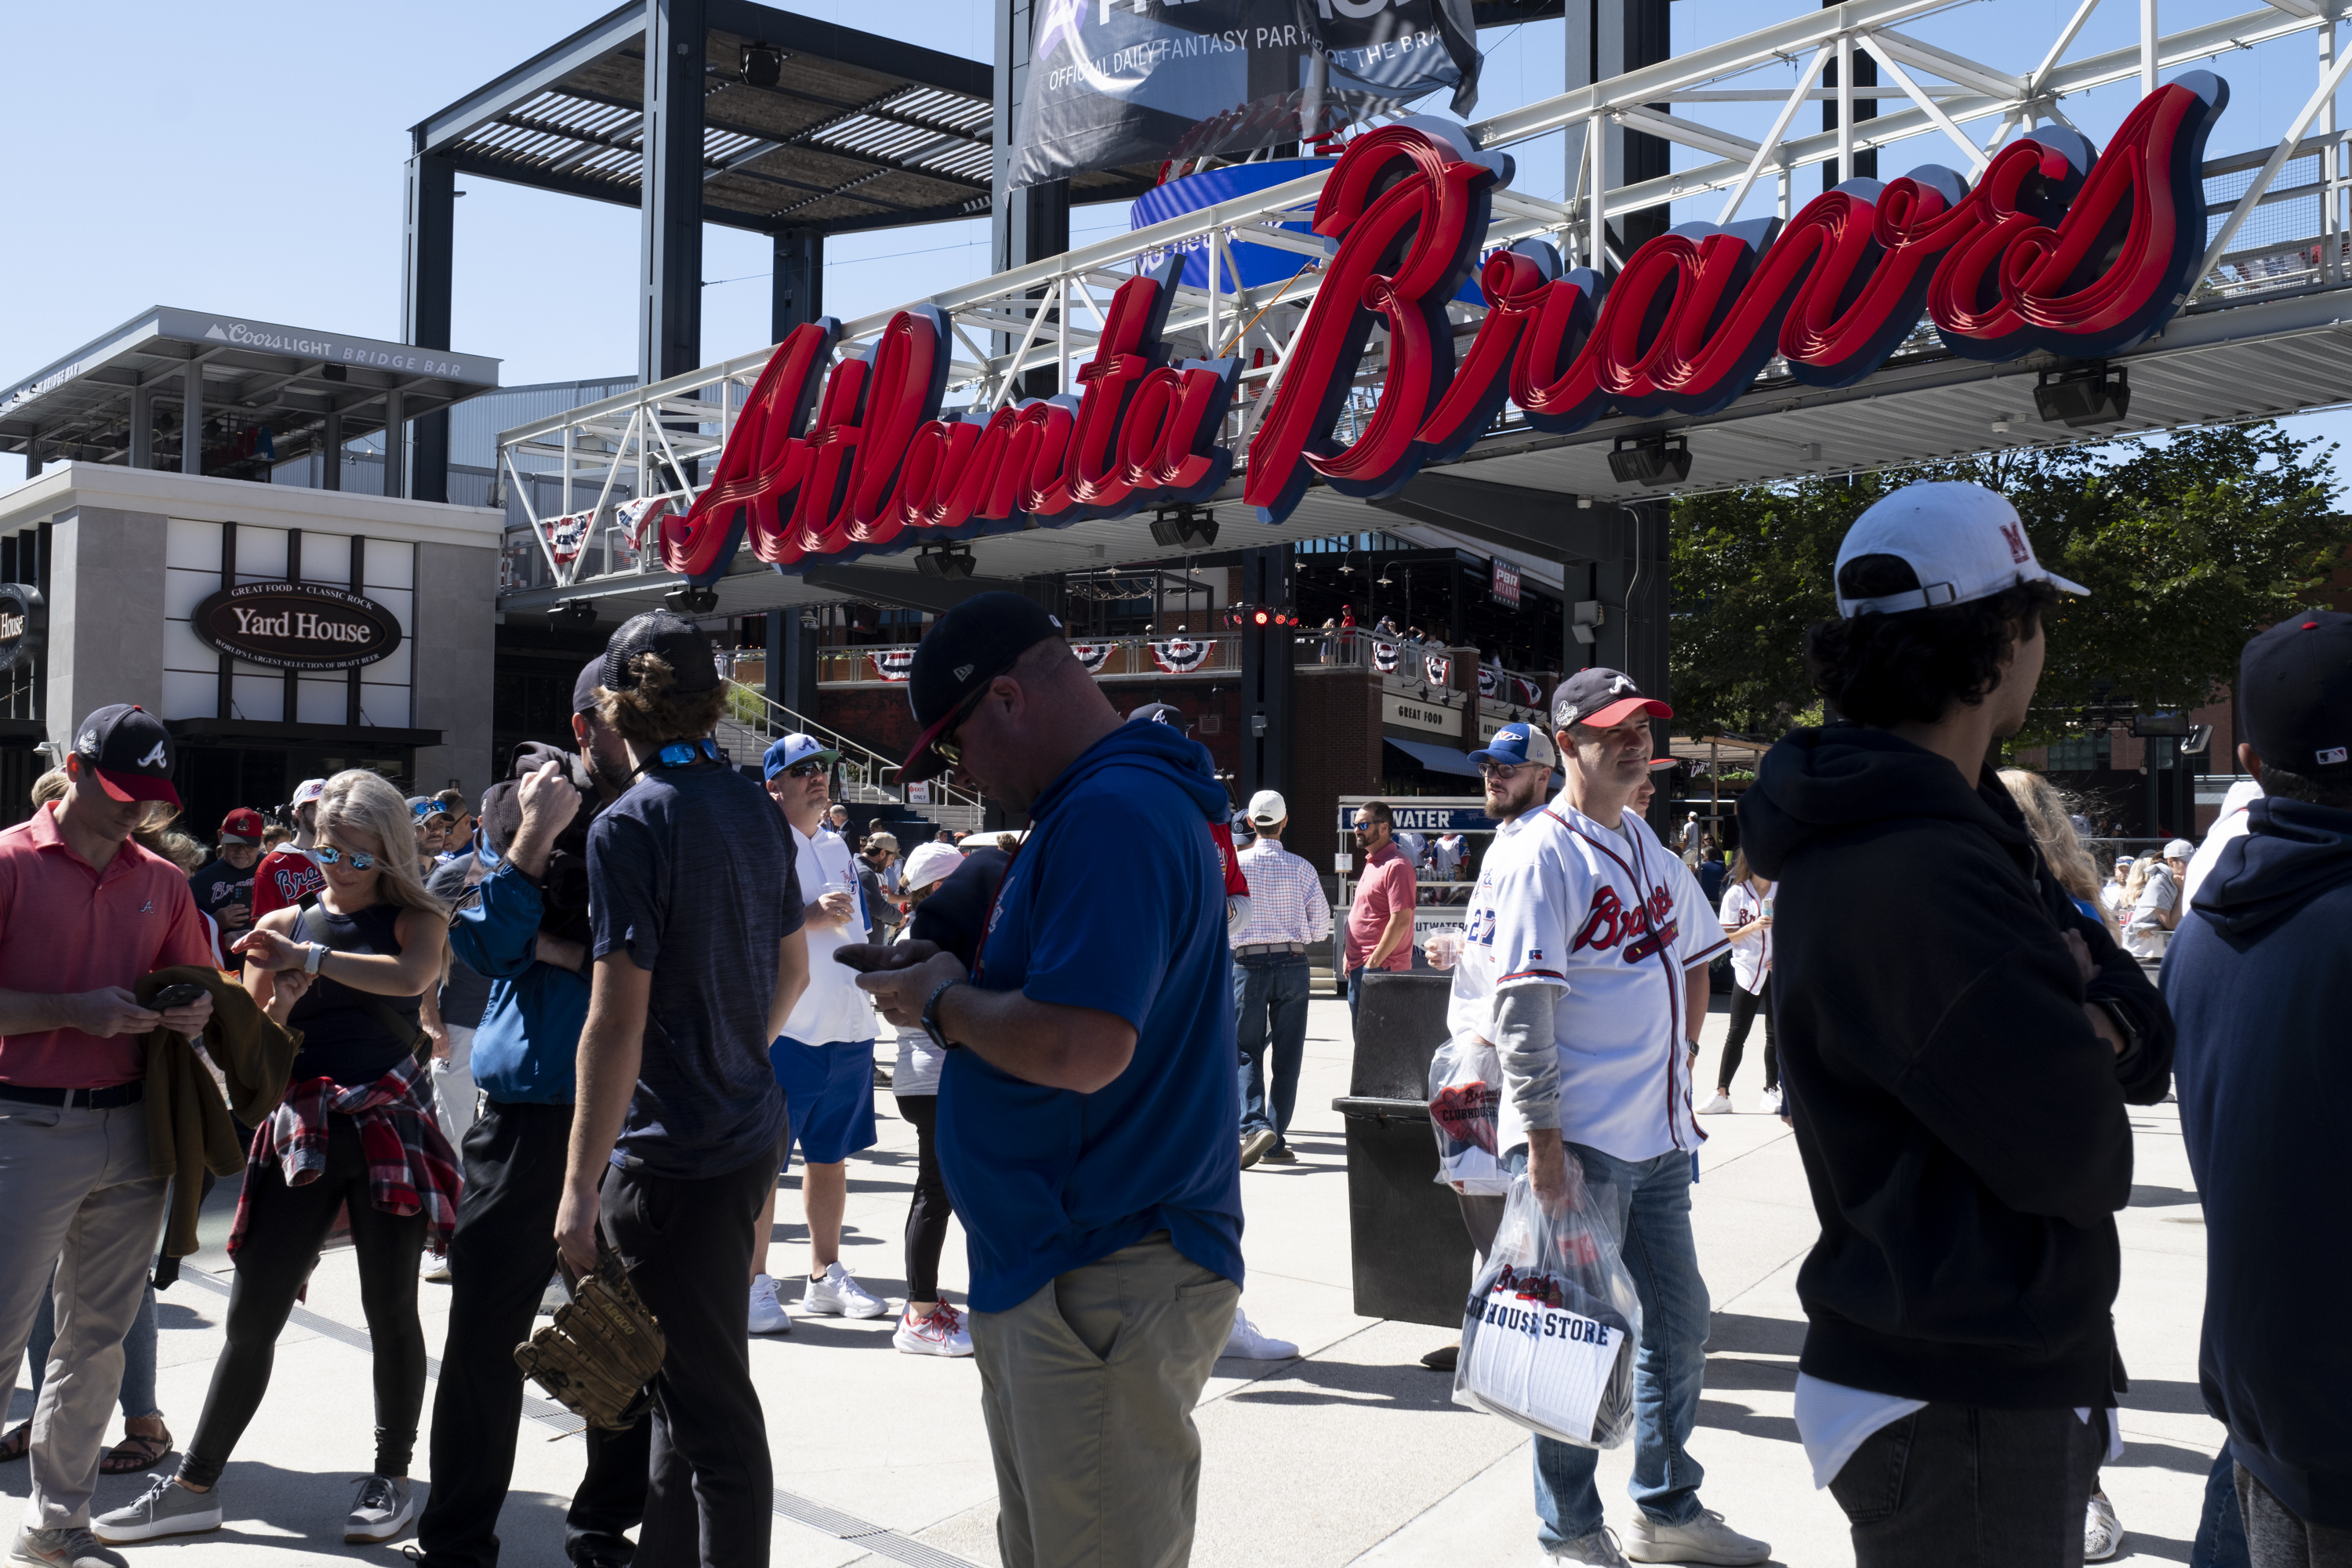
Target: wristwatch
[2122, 1020]
[931, 1015]
[313, 955]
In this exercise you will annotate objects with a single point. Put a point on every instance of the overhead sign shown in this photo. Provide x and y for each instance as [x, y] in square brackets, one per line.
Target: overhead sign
[1134, 81]
[1505, 584]
[24, 624]
[2058, 249]
[1444, 814]
[1410, 714]
[297, 625]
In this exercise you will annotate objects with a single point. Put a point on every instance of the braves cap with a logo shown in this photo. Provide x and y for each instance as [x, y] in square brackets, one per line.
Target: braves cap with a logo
[307, 793]
[670, 637]
[242, 825]
[1166, 713]
[2294, 692]
[1962, 541]
[966, 648]
[1518, 742]
[130, 752]
[791, 751]
[1601, 700]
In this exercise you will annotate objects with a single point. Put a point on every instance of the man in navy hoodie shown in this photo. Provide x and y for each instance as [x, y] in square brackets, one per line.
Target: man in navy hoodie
[2255, 978]
[1087, 1111]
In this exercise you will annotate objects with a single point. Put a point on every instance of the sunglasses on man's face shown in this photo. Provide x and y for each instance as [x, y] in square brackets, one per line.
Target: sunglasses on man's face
[944, 745]
[808, 770]
[328, 855]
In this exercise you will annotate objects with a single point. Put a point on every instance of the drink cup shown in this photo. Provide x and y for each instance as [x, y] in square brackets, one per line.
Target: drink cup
[1444, 949]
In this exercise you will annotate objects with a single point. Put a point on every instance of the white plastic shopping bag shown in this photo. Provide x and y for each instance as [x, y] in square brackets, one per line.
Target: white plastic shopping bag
[1552, 1328]
[1465, 1094]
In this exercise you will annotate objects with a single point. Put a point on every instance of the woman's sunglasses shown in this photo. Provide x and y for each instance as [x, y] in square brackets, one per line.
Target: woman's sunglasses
[328, 855]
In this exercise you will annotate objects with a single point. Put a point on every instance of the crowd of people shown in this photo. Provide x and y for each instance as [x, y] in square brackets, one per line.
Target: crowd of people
[585, 1022]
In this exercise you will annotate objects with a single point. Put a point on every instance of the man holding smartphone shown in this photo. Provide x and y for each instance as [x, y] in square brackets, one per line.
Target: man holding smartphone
[84, 914]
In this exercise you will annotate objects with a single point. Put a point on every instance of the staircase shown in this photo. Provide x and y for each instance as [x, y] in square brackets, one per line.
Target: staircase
[868, 778]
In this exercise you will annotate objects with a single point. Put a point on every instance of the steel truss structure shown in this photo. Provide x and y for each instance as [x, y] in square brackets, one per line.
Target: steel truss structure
[1043, 318]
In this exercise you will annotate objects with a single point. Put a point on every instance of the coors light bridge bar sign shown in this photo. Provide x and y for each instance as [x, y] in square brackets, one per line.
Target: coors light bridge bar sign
[2057, 247]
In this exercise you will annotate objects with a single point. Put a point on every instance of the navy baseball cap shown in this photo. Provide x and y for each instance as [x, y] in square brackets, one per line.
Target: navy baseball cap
[791, 750]
[1601, 700]
[966, 648]
[1166, 713]
[2294, 688]
[1515, 743]
[677, 641]
[130, 751]
[586, 684]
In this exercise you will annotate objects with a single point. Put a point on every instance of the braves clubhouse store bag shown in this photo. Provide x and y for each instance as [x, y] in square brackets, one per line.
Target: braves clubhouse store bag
[1551, 1329]
[1465, 1093]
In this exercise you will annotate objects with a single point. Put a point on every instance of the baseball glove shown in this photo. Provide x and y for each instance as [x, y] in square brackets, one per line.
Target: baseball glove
[601, 1350]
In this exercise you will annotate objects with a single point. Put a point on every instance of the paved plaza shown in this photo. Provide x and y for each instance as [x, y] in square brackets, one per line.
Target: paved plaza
[1353, 1453]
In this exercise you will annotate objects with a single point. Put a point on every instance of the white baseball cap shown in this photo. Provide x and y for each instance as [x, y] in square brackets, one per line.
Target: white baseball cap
[929, 864]
[2180, 849]
[1962, 540]
[308, 791]
[1267, 808]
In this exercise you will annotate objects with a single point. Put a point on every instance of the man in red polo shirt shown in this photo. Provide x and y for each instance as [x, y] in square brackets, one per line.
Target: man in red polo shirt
[84, 914]
[1379, 921]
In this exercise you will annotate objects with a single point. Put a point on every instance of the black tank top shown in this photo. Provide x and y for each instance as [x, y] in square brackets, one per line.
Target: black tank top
[343, 1033]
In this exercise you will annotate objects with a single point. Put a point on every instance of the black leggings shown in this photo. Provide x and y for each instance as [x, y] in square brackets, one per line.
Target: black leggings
[284, 1231]
[1744, 1004]
[927, 1216]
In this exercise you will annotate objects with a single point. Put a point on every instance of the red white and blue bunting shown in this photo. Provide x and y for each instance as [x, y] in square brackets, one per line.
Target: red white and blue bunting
[1490, 681]
[1529, 692]
[1092, 655]
[894, 663]
[567, 534]
[1180, 655]
[1439, 666]
[642, 518]
[1384, 657]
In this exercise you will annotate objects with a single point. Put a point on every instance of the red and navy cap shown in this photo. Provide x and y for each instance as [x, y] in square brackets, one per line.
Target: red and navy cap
[242, 825]
[130, 751]
[1601, 700]
[2294, 691]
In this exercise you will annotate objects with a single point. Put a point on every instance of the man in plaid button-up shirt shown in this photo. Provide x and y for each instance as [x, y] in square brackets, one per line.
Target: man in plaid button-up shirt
[1288, 912]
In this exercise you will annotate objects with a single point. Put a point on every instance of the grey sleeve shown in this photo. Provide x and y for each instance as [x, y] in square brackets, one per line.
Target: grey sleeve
[1524, 1042]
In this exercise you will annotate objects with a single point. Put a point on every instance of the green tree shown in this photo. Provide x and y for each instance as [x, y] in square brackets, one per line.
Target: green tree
[2188, 545]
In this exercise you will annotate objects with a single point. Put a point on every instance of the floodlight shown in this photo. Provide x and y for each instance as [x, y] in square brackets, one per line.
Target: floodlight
[1649, 461]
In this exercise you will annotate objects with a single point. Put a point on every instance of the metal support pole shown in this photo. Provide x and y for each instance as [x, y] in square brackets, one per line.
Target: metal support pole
[32, 457]
[2148, 38]
[143, 425]
[669, 270]
[1832, 178]
[798, 286]
[396, 446]
[192, 418]
[778, 618]
[1032, 223]
[1596, 187]
[425, 293]
[331, 475]
[2330, 235]
[1268, 738]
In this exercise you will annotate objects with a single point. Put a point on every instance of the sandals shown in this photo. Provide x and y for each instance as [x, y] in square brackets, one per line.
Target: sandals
[17, 1444]
[134, 1454]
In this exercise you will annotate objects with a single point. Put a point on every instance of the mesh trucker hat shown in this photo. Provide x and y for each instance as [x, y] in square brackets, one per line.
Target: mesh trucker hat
[965, 650]
[2294, 688]
[130, 752]
[1518, 743]
[789, 751]
[677, 641]
[1962, 541]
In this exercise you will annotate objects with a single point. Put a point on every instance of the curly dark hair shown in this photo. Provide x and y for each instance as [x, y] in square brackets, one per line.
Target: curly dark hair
[651, 714]
[1915, 666]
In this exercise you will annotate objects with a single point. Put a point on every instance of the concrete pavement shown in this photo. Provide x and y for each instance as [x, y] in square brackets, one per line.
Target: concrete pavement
[1353, 1453]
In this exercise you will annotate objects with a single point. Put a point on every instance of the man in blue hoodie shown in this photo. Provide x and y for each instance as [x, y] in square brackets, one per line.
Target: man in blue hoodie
[2253, 978]
[1087, 1107]
[526, 931]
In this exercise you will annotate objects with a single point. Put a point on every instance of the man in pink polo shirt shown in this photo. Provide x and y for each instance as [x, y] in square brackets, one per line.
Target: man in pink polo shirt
[84, 914]
[1380, 922]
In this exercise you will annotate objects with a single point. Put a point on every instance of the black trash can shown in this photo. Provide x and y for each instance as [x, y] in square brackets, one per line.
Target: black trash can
[1410, 1252]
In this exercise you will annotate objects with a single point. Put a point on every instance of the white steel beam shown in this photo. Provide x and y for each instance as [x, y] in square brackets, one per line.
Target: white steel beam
[1927, 106]
[1771, 144]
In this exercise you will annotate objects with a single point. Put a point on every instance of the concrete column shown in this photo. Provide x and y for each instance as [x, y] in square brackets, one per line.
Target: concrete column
[33, 458]
[396, 446]
[192, 418]
[424, 301]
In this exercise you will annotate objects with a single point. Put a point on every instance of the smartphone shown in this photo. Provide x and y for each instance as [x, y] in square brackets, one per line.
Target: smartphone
[185, 994]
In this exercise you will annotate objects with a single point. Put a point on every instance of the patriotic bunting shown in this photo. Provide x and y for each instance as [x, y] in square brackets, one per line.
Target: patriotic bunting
[1180, 655]
[894, 663]
[1092, 655]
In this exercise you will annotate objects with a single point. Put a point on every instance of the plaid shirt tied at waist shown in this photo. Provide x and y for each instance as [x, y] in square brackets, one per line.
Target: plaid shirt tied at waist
[411, 1166]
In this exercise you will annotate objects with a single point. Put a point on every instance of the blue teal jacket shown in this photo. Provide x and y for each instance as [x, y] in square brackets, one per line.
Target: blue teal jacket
[525, 1048]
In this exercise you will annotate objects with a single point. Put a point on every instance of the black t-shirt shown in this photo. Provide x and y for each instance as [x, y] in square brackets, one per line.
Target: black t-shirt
[219, 885]
[351, 1035]
[691, 875]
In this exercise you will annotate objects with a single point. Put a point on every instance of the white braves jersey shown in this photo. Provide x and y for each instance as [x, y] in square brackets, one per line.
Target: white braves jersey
[1615, 925]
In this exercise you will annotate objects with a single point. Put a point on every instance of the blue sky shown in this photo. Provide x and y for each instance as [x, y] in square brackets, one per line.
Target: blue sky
[246, 157]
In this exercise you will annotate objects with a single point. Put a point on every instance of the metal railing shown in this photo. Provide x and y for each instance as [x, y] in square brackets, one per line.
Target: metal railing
[866, 777]
[1171, 655]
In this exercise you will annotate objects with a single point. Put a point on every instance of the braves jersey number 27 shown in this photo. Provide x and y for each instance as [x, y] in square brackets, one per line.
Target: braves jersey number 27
[1615, 922]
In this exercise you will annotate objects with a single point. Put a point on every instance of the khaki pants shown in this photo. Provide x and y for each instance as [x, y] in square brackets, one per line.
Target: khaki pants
[1088, 1388]
[74, 1187]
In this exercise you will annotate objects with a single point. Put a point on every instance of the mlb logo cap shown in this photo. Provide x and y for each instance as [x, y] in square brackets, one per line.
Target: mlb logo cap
[130, 752]
[242, 825]
[1602, 698]
[966, 648]
[674, 641]
[1962, 541]
[2294, 691]
[307, 793]
[789, 750]
[1518, 743]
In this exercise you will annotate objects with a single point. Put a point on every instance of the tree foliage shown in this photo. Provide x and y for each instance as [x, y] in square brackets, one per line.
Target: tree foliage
[2189, 545]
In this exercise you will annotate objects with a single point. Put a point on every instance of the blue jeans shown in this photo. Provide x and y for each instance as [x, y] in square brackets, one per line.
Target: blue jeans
[1270, 994]
[137, 1351]
[1652, 1211]
[2220, 1527]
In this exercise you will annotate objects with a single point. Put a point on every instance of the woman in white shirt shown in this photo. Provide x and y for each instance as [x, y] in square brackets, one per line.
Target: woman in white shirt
[1747, 921]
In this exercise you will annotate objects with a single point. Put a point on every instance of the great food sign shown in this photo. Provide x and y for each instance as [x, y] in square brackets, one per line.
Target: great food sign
[2058, 247]
[297, 625]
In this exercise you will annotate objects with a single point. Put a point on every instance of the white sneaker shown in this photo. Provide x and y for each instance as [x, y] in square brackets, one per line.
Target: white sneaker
[767, 1313]
[1769, 1103]
[1706, 1539]
[380, 1510]
[941, 1333]
[165, 1508]
[839, 1295]
[1598, 1550]
[1248, 1343]
[2103, 1532]
[1719, 1106]
[433, 1270]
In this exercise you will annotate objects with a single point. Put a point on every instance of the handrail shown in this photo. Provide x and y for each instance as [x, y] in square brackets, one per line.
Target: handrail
[874, 772]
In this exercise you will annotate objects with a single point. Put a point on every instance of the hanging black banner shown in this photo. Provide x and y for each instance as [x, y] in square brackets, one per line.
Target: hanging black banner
[1115, 82]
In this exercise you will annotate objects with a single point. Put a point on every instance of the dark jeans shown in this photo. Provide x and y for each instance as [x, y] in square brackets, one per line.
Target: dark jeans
[285, 1229]
[927, 1215]
[1954, 1486]
[2276, 1538]
[499, 1263]
[1270, 994]
[2220, 1528]
[1744, 1007]
[687, 1245]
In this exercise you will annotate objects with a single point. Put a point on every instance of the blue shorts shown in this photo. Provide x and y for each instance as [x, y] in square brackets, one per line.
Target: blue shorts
[828, 1098]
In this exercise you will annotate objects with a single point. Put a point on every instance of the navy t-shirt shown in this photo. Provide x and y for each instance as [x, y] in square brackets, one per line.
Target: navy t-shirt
[1048, 1180]
[691, 875]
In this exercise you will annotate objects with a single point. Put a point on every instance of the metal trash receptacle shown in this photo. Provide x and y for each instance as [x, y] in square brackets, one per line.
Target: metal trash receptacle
[1410, 1253]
